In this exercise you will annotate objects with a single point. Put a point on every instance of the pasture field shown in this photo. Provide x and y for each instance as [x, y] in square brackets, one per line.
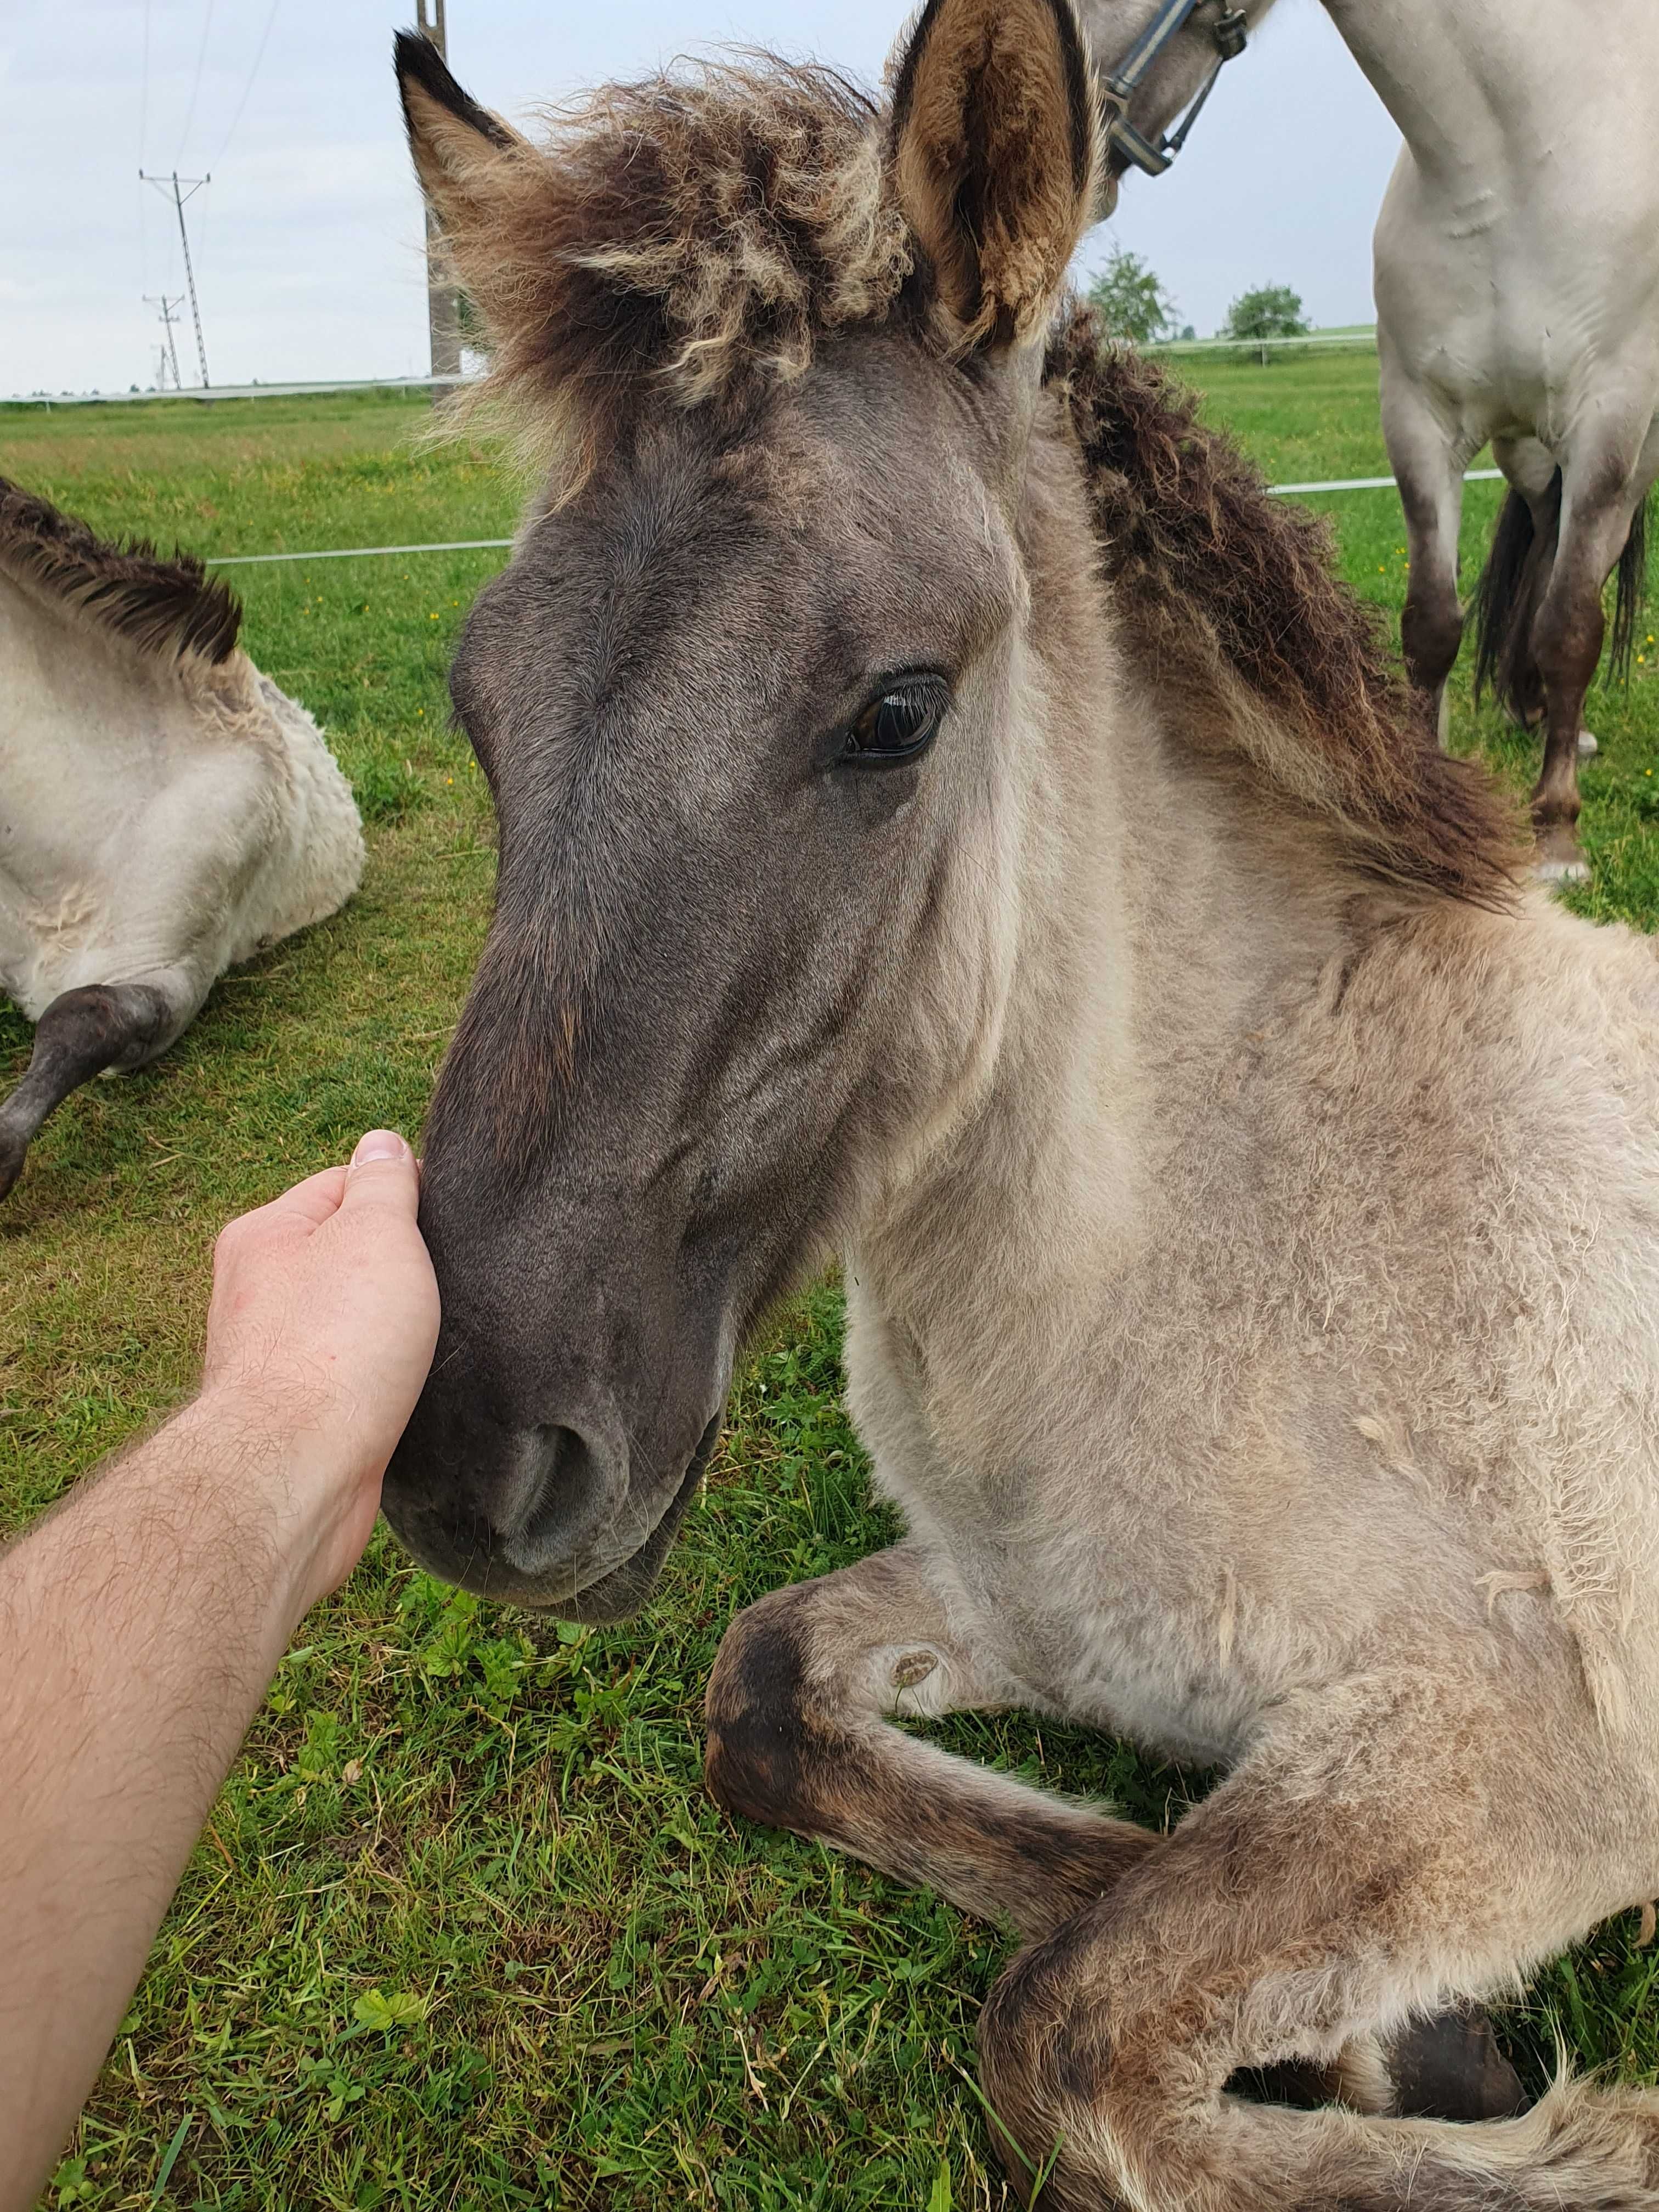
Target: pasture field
[464, 1929]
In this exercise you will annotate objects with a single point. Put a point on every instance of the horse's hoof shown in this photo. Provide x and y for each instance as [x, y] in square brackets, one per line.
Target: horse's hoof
[1587, 744]
[1559, 860]
[1451, 2068]
[12, 1151]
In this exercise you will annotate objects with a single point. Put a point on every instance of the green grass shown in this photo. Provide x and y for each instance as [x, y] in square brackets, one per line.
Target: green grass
[464, 1930]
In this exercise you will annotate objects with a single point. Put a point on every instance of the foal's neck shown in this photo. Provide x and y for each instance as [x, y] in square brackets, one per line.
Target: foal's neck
[1161, 908]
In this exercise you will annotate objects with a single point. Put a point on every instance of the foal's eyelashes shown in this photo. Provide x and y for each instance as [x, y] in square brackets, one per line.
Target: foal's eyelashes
[899, 723]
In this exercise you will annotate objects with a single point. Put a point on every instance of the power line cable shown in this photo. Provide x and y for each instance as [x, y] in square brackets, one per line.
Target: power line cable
[144, 90]
[201, 56]
[259, 55]
[143, 128]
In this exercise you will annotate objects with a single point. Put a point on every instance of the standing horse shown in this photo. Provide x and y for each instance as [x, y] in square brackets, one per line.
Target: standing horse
[1518, 300]
[165, 810]
[950, 814]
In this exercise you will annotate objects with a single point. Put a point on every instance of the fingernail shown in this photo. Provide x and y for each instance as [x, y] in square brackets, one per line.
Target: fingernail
[379, 1144]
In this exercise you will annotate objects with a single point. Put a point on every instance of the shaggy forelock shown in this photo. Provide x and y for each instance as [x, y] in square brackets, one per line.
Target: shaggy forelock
[693, 234]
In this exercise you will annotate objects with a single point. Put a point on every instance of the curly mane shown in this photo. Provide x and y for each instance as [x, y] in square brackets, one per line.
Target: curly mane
[1222, 586]
[693, 233]
[166, 609]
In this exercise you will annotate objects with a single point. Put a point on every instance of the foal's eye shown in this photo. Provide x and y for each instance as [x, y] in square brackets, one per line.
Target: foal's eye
[899, 725]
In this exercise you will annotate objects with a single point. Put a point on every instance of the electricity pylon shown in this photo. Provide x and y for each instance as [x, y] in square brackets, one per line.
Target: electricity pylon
[174, 185]
[170, 352]
[443, 316]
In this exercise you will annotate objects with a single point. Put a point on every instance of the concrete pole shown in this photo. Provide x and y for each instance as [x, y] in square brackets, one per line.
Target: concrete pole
[442, 309]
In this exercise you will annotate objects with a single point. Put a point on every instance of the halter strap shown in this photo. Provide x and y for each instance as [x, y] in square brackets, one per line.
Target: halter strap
[1118, 89]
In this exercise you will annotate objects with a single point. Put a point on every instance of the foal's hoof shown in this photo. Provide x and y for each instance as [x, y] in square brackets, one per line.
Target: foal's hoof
[1451, 2068]
[1587, 744]
[1559, 860]
[12, 1153]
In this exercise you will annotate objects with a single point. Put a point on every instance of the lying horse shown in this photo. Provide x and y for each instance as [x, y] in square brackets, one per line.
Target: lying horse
[1517, 299]
[950, 814]
[165, 810]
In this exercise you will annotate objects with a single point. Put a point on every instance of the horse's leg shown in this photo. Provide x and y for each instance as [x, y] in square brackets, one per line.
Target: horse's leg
[799, 1705]
[118, 1026]
[1597, 506]
[797, 1708]
[1393, 1842]
[1428, 462]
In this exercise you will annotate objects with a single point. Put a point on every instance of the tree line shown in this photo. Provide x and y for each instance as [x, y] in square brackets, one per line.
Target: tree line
[1130, 298]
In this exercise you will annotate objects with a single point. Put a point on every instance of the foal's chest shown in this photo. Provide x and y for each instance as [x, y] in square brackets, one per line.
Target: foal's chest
[1157, 1659]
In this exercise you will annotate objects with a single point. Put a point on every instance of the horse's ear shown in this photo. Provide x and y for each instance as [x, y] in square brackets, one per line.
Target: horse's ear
[995, 155]
[458, 146]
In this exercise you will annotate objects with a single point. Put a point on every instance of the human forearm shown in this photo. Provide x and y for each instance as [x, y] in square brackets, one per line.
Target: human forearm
[141, 1624]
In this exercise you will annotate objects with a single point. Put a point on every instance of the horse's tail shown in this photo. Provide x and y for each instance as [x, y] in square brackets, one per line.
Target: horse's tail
[1512, 585]
[1506, 599]
[1628, 596]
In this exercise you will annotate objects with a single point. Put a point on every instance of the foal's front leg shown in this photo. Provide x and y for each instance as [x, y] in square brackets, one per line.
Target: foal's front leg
[799, 1712]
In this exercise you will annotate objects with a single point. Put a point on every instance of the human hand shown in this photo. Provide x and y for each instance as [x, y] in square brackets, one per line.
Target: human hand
[320, 1334]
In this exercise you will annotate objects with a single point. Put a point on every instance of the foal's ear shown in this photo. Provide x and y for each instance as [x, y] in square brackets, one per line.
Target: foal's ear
[996, 153]
[458, 146]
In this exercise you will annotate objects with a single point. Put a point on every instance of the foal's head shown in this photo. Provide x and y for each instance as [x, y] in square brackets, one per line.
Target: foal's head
[740, 696]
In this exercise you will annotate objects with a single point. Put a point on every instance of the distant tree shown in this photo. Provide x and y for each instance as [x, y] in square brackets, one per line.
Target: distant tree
[1130, 300]
[1271, 311]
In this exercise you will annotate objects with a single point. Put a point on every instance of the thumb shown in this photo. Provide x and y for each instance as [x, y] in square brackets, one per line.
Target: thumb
[382, 1172]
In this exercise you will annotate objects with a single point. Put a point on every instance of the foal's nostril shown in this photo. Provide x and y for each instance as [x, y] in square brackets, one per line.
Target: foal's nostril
[564, 1488]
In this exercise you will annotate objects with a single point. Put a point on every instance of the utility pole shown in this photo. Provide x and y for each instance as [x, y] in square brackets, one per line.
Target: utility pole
[442, 305]
[174, 184]
[170, 352]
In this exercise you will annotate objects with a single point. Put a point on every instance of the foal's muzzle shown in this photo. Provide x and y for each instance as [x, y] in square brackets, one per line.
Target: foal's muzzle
[561, 1516]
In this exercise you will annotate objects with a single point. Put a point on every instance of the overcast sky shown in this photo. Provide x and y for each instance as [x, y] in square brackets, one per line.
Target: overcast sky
[307, 241]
